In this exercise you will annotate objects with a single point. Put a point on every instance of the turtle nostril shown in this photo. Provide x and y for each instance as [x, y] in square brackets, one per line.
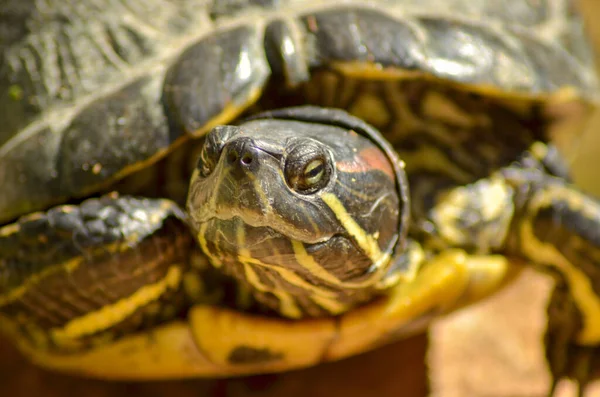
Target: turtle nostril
[247, 158]
[241, 155]
[232, 156]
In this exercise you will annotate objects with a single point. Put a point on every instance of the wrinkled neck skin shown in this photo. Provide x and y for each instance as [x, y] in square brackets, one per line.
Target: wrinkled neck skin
[301, 251]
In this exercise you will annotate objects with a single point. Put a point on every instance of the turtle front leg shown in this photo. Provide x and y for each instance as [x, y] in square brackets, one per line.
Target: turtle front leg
[558, 227]
[527, 213]
[566, 357]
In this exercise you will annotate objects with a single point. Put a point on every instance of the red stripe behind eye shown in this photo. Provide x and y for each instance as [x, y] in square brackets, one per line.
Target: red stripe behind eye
[368, 159]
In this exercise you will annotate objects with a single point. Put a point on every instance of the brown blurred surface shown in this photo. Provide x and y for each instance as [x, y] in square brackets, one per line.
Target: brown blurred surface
[494, 348]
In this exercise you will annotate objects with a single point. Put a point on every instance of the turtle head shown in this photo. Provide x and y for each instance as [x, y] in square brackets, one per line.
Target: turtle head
[307, 214]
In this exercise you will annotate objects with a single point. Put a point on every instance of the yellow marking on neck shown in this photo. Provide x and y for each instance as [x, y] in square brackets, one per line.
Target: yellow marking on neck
[328, 300]
[307, 261]
[332, 306]
[216, 262]
[366, 242]
[288, 306]
[579, 283]
[288, 275]
[110, 315]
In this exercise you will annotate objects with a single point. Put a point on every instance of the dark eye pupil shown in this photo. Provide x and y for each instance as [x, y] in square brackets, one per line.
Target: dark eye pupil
[307, 167]
[311, 172]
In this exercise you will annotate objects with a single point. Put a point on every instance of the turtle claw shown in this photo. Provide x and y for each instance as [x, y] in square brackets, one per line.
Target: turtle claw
[566, 358]
[581, 365]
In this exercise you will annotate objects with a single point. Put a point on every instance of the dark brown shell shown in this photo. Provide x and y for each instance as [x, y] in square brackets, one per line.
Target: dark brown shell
[90, 94]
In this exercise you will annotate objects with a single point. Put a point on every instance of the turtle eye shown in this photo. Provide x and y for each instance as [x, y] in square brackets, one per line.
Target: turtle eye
[307, 167]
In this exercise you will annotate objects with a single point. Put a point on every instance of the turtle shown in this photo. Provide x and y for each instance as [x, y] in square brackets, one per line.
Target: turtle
[221, 188]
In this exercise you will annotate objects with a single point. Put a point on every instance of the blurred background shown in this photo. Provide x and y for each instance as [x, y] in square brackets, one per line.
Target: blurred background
[492, 349]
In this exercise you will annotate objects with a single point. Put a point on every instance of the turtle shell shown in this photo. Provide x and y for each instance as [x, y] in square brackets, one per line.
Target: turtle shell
[91, 95]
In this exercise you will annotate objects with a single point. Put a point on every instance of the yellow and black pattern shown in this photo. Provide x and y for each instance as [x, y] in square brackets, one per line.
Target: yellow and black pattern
[559, 228]
[77, 276]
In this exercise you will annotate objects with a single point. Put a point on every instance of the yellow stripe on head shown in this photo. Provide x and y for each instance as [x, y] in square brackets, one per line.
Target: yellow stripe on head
[308, 262]
[305, 260]
[367, 243]
[201, 236]
[288, 306]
